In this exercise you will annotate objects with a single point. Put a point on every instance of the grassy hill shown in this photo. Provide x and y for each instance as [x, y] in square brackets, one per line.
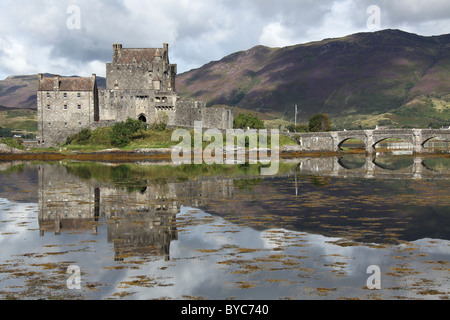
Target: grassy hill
[360, 79]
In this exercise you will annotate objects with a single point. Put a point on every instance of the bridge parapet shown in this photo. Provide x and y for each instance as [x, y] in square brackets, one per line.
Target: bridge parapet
[332, 141]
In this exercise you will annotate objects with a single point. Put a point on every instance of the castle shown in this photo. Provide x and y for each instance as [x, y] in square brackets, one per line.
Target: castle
[140, 84]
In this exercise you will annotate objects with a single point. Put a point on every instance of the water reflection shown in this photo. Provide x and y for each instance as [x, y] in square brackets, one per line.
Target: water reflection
[392, 196]
[141, 219]
[149, 231]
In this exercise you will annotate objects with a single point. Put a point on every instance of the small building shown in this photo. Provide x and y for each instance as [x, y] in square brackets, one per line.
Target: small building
[65, 106]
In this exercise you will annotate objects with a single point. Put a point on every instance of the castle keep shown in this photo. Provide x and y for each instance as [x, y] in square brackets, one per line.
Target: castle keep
[140, 84]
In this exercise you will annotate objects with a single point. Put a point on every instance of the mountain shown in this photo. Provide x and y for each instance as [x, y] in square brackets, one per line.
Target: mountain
[363, 79]
[391, 73]
[20, 92]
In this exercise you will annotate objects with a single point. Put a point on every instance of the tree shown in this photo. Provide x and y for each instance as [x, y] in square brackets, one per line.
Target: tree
[244, 121]
[4, 132]
[320, 123]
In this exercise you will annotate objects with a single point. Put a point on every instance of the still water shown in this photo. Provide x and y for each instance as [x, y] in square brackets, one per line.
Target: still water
[155, 231]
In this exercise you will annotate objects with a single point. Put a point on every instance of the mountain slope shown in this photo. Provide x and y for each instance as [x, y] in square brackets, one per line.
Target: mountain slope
[20, 92]
[364, 73]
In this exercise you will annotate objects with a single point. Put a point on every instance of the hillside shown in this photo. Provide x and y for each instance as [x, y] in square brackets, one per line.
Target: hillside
[20, 92]
[363, 79]
[386, 75]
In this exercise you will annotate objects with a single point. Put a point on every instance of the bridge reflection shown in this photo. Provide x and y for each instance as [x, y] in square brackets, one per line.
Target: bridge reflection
[392, 167]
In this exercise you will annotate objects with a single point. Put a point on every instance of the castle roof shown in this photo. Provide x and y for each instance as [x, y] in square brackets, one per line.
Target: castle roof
[67, 83]
[127, 55]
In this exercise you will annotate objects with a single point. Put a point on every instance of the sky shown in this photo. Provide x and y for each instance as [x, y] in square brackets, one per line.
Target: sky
[75, 37]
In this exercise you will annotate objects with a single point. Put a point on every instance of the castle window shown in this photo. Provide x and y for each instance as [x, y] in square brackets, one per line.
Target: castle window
[79, 95]
[79, 107]
[65, 107]
[157, 85]
[48, 107]
[48, 94]
[65, 123]
[65, 95]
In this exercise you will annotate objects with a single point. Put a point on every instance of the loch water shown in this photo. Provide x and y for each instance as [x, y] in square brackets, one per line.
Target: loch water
[322, 228]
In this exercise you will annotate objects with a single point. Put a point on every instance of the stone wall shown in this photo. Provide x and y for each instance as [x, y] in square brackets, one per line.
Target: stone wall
[217, 118]
[61, 114]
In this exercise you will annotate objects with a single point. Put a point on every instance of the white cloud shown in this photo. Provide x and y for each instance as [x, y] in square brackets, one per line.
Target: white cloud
[197, 31]
[277, 35]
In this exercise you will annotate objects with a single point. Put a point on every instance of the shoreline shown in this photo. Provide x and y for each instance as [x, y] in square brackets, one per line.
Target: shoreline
[117, 155]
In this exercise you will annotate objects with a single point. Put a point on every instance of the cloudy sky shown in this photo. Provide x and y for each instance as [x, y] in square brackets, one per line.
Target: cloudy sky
[76, 36]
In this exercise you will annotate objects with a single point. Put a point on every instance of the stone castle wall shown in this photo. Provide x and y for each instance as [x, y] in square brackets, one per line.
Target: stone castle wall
[140, 84]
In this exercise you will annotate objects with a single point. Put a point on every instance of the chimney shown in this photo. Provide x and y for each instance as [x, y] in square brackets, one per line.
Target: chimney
[56, 77]
[117, 48]
[166, 52]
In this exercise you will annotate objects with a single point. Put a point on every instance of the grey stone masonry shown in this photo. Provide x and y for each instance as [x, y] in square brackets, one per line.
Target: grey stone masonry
[332, 141]
[140, 84]
[65, 105]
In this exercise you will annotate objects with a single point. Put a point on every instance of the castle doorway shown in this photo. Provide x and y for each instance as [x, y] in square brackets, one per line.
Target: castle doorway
[143, 118]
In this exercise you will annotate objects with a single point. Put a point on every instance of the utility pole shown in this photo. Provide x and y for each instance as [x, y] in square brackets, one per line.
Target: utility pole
[295, 118]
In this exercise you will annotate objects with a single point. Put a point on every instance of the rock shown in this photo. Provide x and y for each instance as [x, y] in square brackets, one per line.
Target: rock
[291, 148]
[149, 151]
[9, 150]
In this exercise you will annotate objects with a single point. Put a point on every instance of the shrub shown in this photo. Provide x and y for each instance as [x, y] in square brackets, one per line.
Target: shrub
[122, 132]
[320, 123]
[244, 121]
[298, 128]
[81, 137]
[5, 132]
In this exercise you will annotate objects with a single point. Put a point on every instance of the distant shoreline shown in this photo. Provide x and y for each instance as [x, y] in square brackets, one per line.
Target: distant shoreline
[117, 155]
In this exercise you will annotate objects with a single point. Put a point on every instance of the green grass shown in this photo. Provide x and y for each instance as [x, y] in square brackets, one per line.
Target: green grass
[152, 139]
[13, 143]
[19, 119]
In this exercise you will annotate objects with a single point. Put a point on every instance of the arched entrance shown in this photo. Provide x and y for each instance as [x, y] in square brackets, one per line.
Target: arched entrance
[143, 118]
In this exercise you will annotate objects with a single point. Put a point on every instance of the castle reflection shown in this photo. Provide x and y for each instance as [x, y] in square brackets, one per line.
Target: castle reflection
[139, 222]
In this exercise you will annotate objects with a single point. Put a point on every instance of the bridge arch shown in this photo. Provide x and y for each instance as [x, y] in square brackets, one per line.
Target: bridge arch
[346, 139]
[405, 139]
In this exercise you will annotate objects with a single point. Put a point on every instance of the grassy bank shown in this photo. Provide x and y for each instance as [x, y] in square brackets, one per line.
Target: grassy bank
[103, 138]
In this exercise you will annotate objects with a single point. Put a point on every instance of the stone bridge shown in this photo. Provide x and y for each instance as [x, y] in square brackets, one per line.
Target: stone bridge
[332, 141]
